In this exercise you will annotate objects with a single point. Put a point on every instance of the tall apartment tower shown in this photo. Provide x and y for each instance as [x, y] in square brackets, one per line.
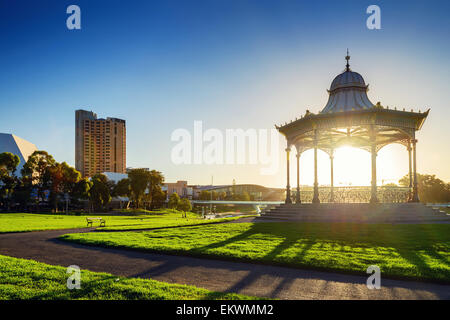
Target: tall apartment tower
[100, 144]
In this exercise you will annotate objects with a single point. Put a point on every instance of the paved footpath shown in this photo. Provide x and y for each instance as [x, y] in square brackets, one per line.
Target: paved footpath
[245, 278]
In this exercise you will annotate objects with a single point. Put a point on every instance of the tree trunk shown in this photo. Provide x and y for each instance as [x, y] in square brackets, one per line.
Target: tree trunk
[55, 204]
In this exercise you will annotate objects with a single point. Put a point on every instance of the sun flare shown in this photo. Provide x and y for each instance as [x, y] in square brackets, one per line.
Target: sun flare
[352, 166]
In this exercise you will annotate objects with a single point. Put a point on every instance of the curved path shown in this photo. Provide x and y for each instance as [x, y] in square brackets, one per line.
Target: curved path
[245, 278]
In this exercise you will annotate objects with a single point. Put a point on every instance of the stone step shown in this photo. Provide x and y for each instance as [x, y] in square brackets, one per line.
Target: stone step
[357, 212]
[418, 215]
[309, 214]
[361, 219]
[415, 214]
[358, 216]
[412, 213]
[354, 219]
[345, 209]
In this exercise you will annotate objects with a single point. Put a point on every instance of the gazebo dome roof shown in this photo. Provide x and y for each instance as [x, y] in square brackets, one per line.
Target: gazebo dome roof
[348, 92]
[348, 78]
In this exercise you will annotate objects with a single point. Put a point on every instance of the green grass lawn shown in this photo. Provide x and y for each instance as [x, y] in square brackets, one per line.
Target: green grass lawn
[22, 222]
[169, 220]
[415, 251]
[28, 279]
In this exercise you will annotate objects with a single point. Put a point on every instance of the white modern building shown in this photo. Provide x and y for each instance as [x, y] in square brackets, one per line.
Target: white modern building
[18, 146]
[115, 176]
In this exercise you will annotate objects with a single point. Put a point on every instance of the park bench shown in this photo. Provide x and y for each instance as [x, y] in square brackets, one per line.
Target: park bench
[91, 220]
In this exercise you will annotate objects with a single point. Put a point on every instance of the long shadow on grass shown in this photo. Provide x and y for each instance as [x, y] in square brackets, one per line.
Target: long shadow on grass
[274, 281]
[288, 241]
[423, 268]
[163, 268]
[228, 241]
[399, 242]
[288, 235]
[258, 228]
[285, 281]
[89, 289]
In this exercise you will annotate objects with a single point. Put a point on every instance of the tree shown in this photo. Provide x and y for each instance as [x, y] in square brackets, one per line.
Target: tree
[174, 200]
[99, 193]
[8, 179]
[204, 195]
[155, 188]
[390, 185]
[229, 196]
[63, 179]
[22, 193]
[139, 182]
[430, 188]
[245, 196]
[81, 190]
[159, 197]
[36, 171]
[122, 188]
[184, 205]
[9, 162]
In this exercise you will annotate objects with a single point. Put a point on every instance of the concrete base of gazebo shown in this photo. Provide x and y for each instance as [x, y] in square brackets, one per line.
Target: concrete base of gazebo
[356, 213]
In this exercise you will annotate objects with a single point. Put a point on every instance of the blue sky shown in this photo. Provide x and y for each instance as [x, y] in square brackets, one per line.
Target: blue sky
[160, 65]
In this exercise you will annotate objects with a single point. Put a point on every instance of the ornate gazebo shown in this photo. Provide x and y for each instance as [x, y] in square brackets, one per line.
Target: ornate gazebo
[349, 118]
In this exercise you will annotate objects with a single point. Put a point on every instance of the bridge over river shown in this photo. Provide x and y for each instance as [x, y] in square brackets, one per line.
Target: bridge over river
[256, 204]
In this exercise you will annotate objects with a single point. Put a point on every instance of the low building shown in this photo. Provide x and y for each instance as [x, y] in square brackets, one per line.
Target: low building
[115, 176]
[180, 187]
[131, 168]
[18, 146]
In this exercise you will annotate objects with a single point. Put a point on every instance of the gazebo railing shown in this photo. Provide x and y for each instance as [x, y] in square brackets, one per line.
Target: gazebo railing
[356, 194]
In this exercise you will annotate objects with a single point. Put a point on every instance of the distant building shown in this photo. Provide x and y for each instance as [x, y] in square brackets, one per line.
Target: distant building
[115, 176]
[100, 144]
[180, 187]
[18, 146]
[131, 168]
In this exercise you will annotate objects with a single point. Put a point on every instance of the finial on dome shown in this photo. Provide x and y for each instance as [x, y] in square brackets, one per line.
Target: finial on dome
[347, 57]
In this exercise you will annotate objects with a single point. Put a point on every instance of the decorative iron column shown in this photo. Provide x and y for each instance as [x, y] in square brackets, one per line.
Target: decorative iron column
[332, 176]
[415, 193]
[373, 151]
[316, 183]
[410, 171]
[288, 187]
[297, 196]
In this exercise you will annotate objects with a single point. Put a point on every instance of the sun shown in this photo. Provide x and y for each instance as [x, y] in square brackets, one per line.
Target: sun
[352, 166]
